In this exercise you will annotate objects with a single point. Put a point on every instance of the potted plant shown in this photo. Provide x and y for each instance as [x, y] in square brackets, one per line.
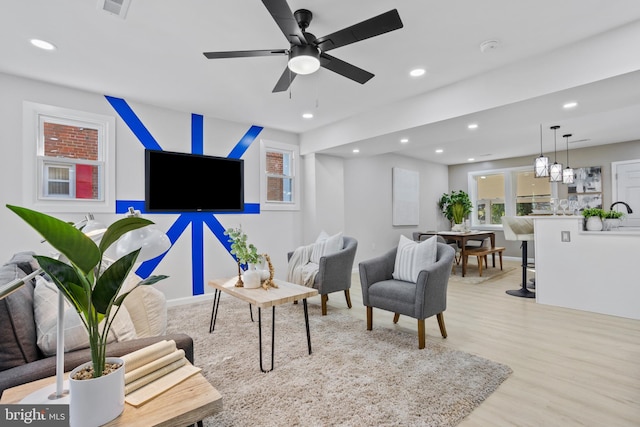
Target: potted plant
[246, 254]
[455, 206]
[593, 217]
[611, 220]
[89, 287]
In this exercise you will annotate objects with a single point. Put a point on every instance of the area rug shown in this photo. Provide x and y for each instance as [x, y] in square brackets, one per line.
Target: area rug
[473, 278]
[354, 377]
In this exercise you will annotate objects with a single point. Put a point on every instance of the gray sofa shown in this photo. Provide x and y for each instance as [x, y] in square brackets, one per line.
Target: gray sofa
[21, 361]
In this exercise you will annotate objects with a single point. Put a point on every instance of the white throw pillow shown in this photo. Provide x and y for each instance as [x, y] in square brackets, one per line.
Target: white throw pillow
[413, 257]
[147, 307]
[326, 246]
[45, 309]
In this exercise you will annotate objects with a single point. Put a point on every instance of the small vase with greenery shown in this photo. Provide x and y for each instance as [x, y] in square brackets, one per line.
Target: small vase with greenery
[593, 218]
[89, 287]
[245, 253]
[611, 220]
[455, 206]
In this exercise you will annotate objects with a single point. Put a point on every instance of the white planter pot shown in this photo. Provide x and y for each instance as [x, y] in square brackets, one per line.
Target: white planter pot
[458, 227]
[252, 279]
[594, 223]
[609, 224]
[96, 401]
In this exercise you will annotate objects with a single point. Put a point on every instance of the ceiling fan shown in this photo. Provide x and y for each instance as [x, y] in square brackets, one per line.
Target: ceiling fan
[308, 53]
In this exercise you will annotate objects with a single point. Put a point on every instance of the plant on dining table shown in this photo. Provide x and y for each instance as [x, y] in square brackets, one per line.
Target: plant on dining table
[455, 206]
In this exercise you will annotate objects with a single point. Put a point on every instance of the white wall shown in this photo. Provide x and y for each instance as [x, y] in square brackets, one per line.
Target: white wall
[368, 209]
[273, 232]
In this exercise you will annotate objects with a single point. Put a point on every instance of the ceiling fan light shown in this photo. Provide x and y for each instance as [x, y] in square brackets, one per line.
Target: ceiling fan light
[304, 59]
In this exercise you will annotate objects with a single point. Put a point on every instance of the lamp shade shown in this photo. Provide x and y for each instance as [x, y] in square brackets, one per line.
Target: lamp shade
[567, 175]
[94, 229]
[555, 172]
[541, 167]
[304, 59]
[151, 242]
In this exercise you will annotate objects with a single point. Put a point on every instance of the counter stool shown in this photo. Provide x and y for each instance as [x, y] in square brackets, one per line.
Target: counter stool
[519, 228]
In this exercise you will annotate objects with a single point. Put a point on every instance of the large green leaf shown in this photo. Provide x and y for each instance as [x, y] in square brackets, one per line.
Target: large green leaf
[120, 227]
[64, 237]
[67, 281]
[111, 280]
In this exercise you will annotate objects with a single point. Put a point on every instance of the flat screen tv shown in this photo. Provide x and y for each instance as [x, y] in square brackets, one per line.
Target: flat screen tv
[181, 182]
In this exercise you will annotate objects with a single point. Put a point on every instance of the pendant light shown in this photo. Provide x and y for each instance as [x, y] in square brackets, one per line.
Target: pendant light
[567, 173]
[555, 170]
[541, 164]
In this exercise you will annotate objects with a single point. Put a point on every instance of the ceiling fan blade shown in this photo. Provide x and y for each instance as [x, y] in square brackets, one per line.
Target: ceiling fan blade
[281, 13]
[285, 80]
[245, 53]
[344, 68]
[375, 26]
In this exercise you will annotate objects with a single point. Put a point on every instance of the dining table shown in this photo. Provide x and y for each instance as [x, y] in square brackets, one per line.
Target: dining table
[461, 238]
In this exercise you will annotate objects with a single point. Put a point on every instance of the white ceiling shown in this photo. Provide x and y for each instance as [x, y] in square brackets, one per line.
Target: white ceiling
[549, 52]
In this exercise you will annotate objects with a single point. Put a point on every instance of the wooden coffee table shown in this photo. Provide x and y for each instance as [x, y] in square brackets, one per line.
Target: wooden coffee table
[261, 298]
[186, 403]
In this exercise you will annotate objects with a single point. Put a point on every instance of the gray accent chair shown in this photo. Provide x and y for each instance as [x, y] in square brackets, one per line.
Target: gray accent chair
[419, 300]
[334, 272]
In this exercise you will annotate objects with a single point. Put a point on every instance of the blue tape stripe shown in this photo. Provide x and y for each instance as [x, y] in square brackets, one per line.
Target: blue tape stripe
[197, 258]
[197, 134]
[245, 142]
[122, 206]
[174, 232]
[218, 230]
[134, 123]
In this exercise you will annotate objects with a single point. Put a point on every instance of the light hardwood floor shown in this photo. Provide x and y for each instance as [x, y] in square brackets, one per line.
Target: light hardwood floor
[570, 367]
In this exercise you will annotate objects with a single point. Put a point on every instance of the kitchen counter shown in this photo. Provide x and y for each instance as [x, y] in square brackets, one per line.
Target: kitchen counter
[586, 270]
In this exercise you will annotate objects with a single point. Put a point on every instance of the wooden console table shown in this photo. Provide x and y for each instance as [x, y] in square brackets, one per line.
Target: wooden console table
[186, 403]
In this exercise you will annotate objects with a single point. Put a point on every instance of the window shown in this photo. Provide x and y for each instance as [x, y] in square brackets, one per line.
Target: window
[72, 152]
[279, 183]
[501, 192]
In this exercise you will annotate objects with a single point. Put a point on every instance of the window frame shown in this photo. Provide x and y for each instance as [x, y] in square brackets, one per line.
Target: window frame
[267, 146]
[510, 196]
[34, 161]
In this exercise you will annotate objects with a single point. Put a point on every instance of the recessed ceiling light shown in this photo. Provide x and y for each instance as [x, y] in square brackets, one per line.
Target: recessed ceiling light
[439, 150]
[488, 45]
[404, 140]
[472, 126]
[571, 104]
[417, 72]
[42, 44]
[471, 159]
[355, 150]
[307, 116]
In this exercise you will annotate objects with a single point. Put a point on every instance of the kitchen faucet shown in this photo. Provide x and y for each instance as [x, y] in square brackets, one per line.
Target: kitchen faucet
[629, 210]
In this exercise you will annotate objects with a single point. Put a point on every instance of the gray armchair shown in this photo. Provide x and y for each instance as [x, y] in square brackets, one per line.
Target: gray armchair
[334, 273]
[419, 300]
